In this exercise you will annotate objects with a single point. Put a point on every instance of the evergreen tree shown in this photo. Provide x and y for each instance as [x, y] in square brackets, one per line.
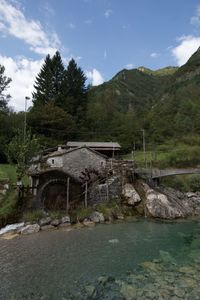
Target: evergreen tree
[4, 82]
[74, 90]
[49, 81]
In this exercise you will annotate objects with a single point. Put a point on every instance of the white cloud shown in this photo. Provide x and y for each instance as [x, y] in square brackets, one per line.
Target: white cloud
[154, 55]
[188, 45]
[22, 71]
[130, 66]
[14, 23]
[195, 20]
[108, 13]
[95, 77]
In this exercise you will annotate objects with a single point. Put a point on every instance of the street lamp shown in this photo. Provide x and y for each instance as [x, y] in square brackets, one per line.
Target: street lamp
[26, 99]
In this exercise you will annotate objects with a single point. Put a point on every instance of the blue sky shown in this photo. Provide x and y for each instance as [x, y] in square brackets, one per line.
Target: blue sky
[104, 36]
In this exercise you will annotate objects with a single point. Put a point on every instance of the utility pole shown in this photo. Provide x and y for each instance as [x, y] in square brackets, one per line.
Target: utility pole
[144, 147]
[26, 98]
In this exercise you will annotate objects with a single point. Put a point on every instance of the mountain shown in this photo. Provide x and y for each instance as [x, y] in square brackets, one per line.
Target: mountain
[166, 102]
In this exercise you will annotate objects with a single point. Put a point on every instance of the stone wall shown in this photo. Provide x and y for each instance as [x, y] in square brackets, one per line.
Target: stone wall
[111, 189]
[77, 161]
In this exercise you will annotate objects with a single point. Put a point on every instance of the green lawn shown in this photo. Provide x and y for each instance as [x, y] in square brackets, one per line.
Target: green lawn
[179, 156]
[8, 171]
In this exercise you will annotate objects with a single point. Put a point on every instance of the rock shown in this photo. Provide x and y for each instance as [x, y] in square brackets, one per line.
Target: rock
[45, 221]
[47, 227]
[55, 222]
[97, 217]
[114, 241]
[119, 216]
[191, 194]
[65, 225]
[88, 223]
[30, 229]
[90, 290]
[128, 291]
[160, 205]
[65, 219]
[130, 194]
[151, 266]
[13, 228]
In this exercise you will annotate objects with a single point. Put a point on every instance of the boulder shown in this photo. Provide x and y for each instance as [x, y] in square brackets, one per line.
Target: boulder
[55, 222]
[13, 228]
[167, 203]
[47, 227]
[45, 221]
[88, 223]
[64, 225]
[28, 229]
[97, 217]
[131, 195]
[65, 219]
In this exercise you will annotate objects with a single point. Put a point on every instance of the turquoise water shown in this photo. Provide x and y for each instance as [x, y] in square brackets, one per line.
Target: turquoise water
[50, 265]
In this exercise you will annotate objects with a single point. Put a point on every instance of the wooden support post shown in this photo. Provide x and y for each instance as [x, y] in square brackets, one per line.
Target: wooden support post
[67, 204]
[86, 192]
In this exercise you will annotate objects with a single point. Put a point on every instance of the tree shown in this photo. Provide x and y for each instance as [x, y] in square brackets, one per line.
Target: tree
[52, 124]
[49, 81]
[74, 90]
[22, 152]
[4, 82]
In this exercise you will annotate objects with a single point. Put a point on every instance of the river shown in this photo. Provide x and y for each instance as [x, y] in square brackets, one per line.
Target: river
[49, 265]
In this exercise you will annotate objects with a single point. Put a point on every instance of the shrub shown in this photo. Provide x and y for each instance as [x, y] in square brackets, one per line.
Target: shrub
[34, 215]
[8, 208]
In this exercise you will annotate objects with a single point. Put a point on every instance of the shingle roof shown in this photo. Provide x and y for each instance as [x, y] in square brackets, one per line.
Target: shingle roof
[95, 145]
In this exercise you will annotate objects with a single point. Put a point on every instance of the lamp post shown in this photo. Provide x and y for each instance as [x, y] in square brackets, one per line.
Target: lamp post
[26, 99]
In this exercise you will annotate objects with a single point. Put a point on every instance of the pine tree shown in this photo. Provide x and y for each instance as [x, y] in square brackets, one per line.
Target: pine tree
[49, 81]
[44, 84]
[4, 82]
[74, 90]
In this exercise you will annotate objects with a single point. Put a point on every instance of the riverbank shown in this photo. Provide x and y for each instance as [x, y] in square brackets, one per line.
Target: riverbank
[137, 200]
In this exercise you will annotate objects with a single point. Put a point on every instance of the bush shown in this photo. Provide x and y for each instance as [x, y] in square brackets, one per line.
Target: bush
[8, 208]
[34, 215]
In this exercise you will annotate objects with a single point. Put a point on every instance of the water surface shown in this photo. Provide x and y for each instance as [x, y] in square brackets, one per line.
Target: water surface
[51, 264]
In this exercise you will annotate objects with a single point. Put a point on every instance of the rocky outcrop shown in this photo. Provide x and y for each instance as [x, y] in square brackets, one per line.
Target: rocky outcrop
[131, 196]
[11, 229]
[167, 203]
[97, 217]
[28, 229]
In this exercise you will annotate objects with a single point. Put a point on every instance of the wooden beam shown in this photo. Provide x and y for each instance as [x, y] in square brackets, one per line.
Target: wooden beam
[67, 204]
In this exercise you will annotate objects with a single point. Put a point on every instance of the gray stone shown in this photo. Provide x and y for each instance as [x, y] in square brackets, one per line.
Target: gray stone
[45, 221]
[13, 228]
[97, 217]
[47, 227]
[131, 195]
[65, 219]
[55, 222]
[88, 223]
[64, 225]
[30, 229]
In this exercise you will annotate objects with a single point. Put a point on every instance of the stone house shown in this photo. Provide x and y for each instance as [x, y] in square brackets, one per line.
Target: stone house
[62, 174]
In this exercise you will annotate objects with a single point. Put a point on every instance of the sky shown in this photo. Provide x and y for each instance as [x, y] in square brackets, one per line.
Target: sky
[103, 36]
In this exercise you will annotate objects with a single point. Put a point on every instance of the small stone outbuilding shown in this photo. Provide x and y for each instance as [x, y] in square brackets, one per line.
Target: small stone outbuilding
[61, 174]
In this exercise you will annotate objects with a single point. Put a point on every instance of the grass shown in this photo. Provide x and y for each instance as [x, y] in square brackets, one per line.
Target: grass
[167, 156]
[8, 172]
[8, 208]
[34, 216]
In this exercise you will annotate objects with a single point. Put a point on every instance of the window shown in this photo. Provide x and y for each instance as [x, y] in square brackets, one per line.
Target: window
[52, 161]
